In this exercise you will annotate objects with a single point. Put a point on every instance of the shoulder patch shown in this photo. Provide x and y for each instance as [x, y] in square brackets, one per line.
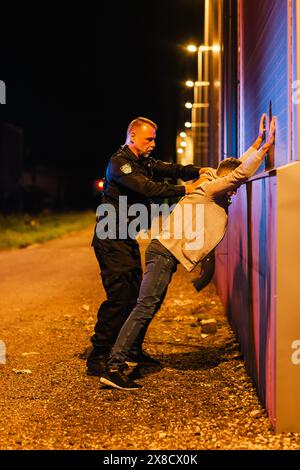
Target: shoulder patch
[126, 169]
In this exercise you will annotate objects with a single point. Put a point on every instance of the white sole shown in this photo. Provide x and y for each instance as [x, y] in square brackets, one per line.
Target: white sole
[131, 364]
[142, 364]
[105, 381]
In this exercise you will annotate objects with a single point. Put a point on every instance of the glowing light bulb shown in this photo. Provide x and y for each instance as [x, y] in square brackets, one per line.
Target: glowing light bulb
[192, 48]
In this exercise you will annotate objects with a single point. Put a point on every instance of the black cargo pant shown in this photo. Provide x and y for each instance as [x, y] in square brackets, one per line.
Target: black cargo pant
[121, 273]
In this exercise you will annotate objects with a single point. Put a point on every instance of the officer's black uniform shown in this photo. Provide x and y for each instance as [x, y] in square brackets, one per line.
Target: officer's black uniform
[119, 259]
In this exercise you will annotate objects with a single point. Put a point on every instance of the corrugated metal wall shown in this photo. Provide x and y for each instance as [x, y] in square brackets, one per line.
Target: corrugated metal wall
[251, 273]
[246, 259]
[264, 30]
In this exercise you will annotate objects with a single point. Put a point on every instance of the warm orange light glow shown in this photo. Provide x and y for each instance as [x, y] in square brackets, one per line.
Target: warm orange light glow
[214, 48]
[202, 83]
[100, 185]
[192, 48]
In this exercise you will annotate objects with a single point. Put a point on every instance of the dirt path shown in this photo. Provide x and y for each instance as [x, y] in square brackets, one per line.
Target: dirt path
[201, 399]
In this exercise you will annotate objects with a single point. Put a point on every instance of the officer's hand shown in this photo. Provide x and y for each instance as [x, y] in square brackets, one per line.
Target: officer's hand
[189, 188]
[204, 170]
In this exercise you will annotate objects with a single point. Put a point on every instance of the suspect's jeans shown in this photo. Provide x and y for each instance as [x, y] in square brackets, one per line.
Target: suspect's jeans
[160, 266]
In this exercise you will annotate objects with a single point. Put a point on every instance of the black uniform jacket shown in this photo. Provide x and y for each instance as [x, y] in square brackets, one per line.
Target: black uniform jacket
[134, 177]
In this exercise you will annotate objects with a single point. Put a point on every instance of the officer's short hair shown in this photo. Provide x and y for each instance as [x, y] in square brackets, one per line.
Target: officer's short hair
[138, 122]
[229, 164]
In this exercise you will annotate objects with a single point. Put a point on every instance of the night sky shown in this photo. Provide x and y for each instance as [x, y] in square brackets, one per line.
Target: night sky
[76, 77]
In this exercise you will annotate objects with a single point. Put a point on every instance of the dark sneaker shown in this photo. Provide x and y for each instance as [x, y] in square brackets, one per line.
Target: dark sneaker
[117, 379]
[96, 365]
[142, 359]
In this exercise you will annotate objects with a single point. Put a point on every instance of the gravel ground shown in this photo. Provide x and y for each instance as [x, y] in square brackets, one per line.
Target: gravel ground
[201, 399]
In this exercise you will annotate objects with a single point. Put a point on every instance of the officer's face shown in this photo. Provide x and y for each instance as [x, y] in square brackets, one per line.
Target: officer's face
[143, 140]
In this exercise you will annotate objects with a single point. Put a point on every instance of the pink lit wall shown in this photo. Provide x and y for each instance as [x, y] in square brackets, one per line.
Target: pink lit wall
[250, 269]
[264, 70]
[246, 259]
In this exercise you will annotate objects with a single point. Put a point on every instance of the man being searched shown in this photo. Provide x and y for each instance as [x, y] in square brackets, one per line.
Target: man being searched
[210, 193]
[131, 172]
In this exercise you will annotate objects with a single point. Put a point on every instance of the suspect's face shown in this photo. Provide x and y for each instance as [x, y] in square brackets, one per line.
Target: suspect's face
[225, 173]
[143, 139]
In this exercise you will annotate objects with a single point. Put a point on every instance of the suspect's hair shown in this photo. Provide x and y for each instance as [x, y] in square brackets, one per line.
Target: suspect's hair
[228, 165]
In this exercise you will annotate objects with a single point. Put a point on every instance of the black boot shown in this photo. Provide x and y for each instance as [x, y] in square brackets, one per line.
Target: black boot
[96, 362]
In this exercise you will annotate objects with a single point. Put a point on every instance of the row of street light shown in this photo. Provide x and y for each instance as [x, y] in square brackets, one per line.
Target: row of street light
[199, 86]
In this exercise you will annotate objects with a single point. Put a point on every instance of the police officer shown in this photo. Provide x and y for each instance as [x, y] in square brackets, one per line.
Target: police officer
[131, 172]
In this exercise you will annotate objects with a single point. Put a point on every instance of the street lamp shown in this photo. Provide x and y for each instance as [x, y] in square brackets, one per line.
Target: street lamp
[192, 48]
[214, 48]
[202, 48]
[200, 107]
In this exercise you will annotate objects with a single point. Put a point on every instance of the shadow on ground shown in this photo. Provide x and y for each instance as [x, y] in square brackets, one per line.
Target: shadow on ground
[202, 358]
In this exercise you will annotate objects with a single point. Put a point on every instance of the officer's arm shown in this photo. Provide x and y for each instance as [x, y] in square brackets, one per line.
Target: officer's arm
[139, 183]
[175, 171]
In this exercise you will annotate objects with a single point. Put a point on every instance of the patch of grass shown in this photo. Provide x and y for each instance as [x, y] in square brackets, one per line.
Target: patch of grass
[19, 231]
